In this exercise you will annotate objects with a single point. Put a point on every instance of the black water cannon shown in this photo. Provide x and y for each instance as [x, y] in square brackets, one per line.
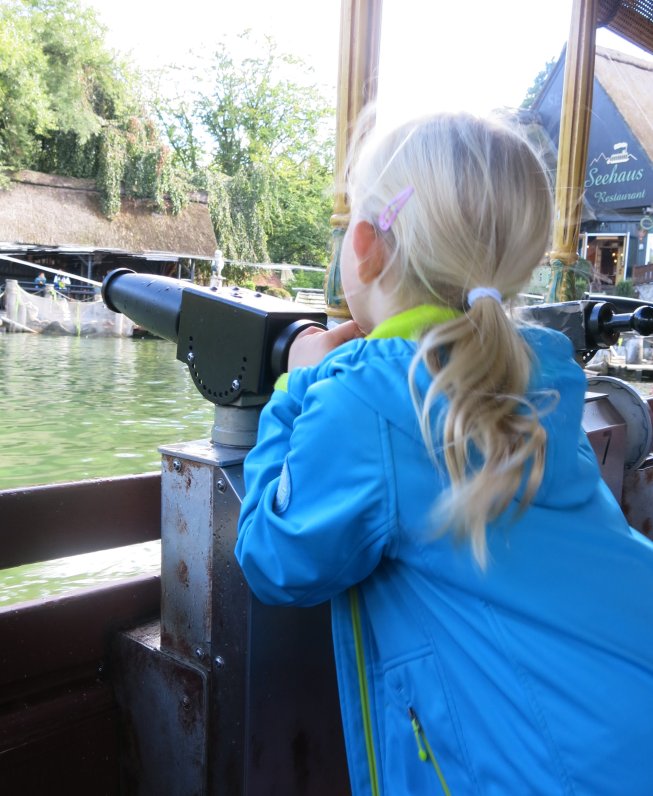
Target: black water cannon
[595, 322]
[234, 341]
[605, 323]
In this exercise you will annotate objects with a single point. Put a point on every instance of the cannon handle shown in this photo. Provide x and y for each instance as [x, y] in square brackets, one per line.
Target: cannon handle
[605, 324]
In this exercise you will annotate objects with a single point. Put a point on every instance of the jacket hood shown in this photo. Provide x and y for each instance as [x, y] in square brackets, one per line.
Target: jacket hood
[376, 370]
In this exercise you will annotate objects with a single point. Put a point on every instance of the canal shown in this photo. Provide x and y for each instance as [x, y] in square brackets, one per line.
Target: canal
[74, 408]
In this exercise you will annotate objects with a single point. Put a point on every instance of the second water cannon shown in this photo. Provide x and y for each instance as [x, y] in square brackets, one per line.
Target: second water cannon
[594, 322]
[234, 341]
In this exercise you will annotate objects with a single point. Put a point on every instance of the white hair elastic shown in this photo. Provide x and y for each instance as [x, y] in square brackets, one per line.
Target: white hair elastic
[477, 293]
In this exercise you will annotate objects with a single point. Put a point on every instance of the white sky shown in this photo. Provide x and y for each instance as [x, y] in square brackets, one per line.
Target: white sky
[469, 54]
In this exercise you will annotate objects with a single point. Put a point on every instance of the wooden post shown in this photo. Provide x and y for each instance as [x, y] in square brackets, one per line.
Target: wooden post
[360, 35]
[572, 150]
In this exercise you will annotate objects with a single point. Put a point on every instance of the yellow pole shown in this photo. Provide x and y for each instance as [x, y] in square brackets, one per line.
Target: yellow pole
[572, 150]
[360, 37]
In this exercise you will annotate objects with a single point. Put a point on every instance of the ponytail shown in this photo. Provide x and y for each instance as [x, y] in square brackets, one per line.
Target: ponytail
[482, 365]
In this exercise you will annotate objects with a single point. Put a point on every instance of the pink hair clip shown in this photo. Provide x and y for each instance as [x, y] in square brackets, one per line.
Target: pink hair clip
[390, 212]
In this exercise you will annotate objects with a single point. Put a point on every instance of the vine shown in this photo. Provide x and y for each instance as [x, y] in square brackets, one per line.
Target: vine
[134, 161]
[220, 212]
[111, 168]
[63, 152]
[238, 208]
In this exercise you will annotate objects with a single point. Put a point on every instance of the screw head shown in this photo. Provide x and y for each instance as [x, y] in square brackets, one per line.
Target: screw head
[176, 465]
[219, 661]
[221, 485]
[235, 385]
[190, 357]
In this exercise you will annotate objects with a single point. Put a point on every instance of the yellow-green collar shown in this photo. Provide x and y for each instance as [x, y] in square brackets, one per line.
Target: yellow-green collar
[407, 324]
[410, 323]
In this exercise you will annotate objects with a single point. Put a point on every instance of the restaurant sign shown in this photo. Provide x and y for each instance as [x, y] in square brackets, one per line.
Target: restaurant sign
[619, 173]
[616, 178]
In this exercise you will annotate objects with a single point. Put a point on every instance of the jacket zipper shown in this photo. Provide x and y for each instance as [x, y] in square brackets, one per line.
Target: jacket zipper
[424, 750]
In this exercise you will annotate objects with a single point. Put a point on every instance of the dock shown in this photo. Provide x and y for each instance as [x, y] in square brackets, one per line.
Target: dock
[639, 370]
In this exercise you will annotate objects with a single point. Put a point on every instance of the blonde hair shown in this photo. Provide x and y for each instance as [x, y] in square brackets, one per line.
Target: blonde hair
[480, 215]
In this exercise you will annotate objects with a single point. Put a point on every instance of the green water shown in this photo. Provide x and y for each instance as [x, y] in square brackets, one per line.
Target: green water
[74, 408]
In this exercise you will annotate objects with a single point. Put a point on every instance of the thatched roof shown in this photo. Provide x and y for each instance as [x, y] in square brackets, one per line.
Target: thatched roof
[628, 81]
[48, 210]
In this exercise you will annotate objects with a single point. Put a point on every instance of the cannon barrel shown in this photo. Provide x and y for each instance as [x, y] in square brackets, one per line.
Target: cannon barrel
[234, 341]
[153, 302]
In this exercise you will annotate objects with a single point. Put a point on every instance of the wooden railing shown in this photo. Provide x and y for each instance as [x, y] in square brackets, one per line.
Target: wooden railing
[44, 522]
[59, 728]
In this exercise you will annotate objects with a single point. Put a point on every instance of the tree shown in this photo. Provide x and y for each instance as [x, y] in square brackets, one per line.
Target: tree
[238, 206]
[58, 81]
[69, 105]
[301, 232]
[24, 101]
[255, 113]
[539, 81]
[268, 148]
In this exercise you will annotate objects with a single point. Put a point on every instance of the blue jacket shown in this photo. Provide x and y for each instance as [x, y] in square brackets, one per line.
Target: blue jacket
[533, 677]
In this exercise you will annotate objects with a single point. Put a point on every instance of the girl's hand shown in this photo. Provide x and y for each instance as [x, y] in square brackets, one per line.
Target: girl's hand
[313, 344]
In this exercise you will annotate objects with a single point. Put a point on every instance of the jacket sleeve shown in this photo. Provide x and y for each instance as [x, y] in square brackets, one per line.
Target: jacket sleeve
[318, 510]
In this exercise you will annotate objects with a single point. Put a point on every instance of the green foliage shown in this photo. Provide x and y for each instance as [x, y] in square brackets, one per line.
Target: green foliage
[58, 82]
[301, 232]
[63, 153]
[257, 136]
[583, 270]
[538, 83]
[625, 288]
[25, 106]
[111, 169]
[310, 279]
[69, 106]
[86, 83]
[255, 114]
[238, 216]
[269, 154]
[176, 121]
[149, 172]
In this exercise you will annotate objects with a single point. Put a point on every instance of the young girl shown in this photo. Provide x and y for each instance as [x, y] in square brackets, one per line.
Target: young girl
[492, 610]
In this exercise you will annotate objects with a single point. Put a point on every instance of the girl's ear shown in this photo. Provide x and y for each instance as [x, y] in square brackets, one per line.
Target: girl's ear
[369, 250]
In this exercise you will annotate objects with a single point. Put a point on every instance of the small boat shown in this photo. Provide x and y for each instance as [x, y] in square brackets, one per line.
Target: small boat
[620, 154]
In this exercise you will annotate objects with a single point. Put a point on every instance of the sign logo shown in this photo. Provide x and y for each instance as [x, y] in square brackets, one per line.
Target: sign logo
[616, 177]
